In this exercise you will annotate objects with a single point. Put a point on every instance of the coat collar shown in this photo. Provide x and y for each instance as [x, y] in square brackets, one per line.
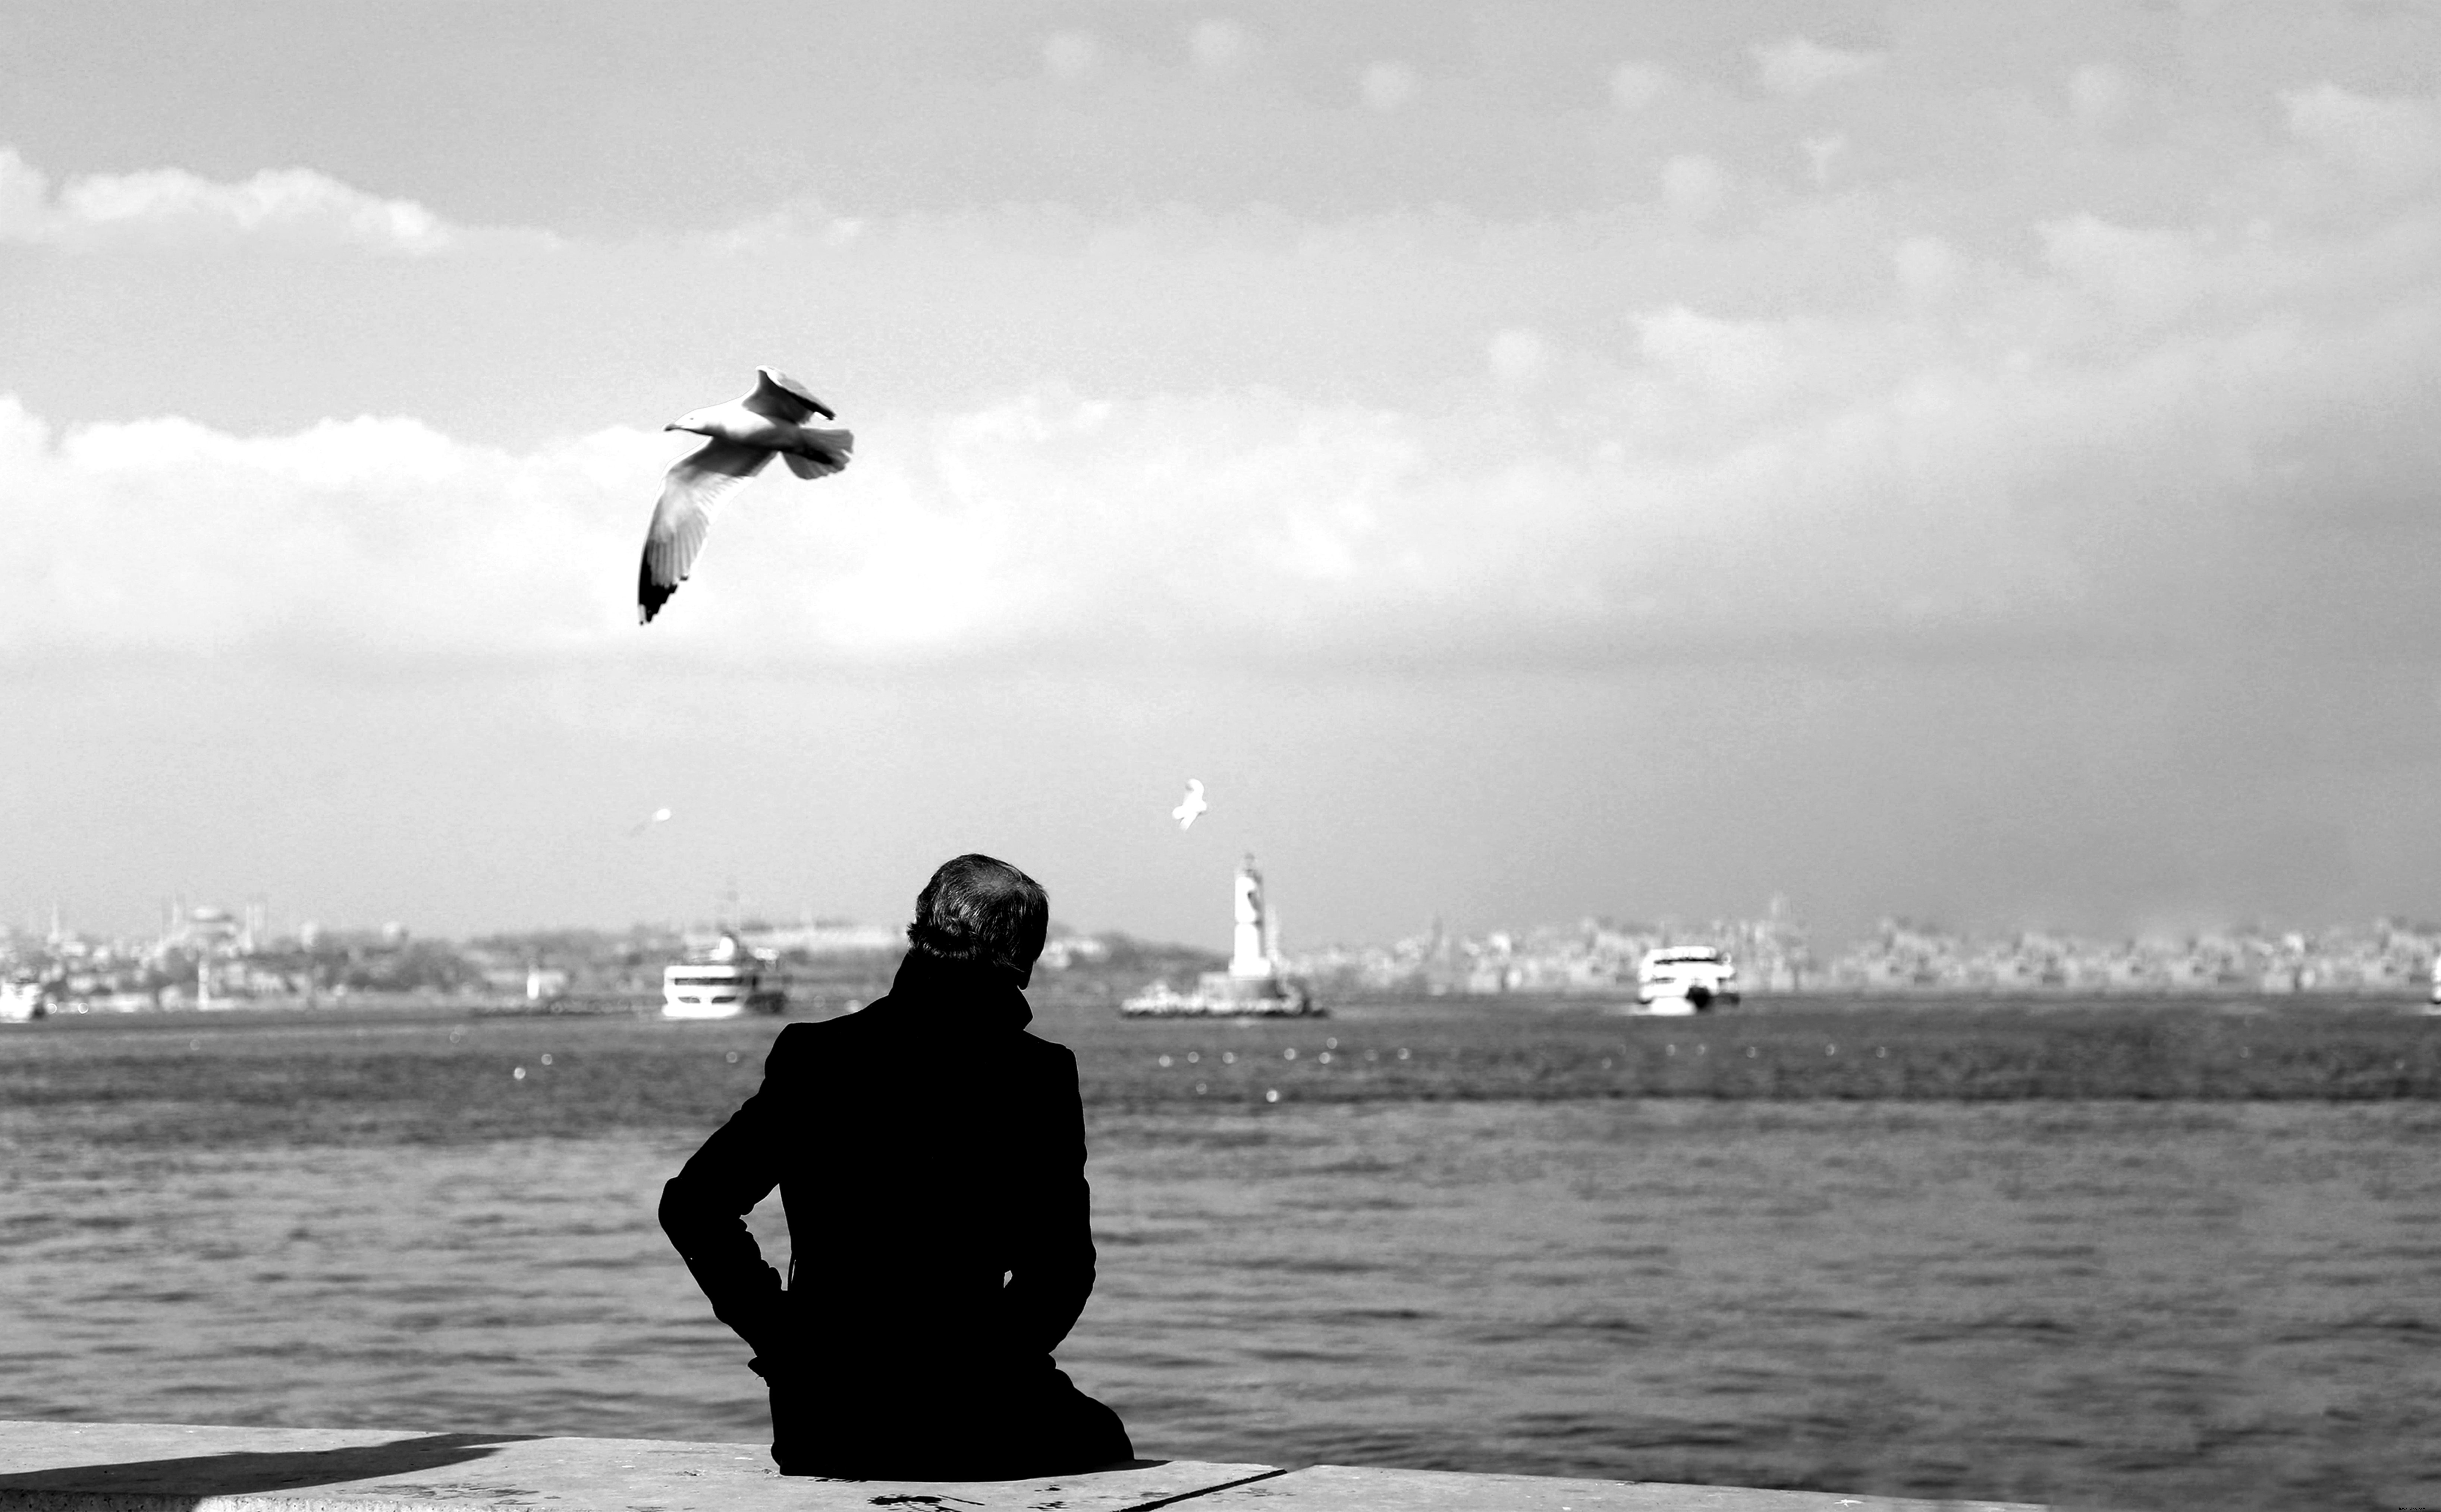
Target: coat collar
[968, 995]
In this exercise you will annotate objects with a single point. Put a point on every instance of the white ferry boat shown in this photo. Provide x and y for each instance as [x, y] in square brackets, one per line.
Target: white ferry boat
[722, 982]
[1677, 980]
[20, 998]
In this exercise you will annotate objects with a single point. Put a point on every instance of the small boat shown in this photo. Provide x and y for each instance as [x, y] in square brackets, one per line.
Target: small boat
[1679, 980]
[722, 982]
[1218, 995]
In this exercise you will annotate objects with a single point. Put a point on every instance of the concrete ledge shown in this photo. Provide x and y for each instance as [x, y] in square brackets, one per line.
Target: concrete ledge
[1366, 1489]
[169, 1467]
[162, 1468]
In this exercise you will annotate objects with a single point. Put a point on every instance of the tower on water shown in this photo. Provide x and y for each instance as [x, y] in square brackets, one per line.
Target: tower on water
[1254, 984]
[1253, 949]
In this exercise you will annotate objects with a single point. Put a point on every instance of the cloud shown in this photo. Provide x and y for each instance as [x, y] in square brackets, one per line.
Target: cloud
[2392, 144]
[1635, 86]
[1388, 86]
[171, 207]
[358, 538]
[2098, 97]
[800, 226]
[1516, 356]
[1801, 66]
[1693, 187]
[1218, 46]
[1929, 269]
[2147, 276]
[2121, 448]
[1177, 433]
[1070, 56]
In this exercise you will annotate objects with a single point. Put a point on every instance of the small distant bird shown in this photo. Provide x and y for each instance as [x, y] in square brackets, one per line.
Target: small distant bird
[744, 433]
[1186, 812]
[660, 816]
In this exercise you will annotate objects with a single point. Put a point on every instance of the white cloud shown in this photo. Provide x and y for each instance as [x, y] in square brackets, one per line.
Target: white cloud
[804, 225]
[1964, 465]
[356, 537]
[1557, 417]
[1928, 268]
[2394, 144]
[1070, 56]
[24, 197]
[1693, 187]
[1388, 86]
[2146, 276]
[1800, 65]
[1219, 47]
[1821, 151]
[1517, 356]
[2098, 97]
[1635, 86]
[171, 207]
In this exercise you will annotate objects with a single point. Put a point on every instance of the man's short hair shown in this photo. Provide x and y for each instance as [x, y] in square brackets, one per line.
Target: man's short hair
[977, 909]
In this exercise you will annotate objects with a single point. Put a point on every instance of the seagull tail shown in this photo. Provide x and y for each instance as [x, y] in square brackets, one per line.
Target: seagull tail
[826, 452]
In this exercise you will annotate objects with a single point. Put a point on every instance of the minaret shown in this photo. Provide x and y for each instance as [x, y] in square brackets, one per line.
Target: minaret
[1251, 956]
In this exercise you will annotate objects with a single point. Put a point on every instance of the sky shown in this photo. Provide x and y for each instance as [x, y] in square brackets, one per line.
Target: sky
[1972, 463]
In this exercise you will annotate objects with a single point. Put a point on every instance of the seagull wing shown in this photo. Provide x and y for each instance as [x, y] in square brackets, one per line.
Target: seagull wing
[694, 485]
[777, 396]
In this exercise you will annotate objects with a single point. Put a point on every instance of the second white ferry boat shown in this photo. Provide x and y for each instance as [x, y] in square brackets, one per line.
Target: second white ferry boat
[722, 982]
[1677, 980]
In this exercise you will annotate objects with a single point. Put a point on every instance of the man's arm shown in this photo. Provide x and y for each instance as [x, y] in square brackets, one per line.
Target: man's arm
[1054, 1270]
[704, 1208]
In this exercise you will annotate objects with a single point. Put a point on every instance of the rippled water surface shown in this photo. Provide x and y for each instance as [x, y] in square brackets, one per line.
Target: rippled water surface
[2124, 1302]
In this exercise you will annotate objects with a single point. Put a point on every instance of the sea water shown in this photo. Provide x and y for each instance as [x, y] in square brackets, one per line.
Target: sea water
[2128, 1303]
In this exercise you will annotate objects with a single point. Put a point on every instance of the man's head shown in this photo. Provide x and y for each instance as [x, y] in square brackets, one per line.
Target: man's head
[977, 909]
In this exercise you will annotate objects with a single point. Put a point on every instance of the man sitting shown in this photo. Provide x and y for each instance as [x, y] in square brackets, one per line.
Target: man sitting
[931, 1156]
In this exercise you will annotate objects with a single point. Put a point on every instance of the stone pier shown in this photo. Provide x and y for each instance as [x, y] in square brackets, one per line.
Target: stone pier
[169, 1467]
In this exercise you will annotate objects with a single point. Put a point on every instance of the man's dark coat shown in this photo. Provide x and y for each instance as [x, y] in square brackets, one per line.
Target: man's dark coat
[930, 1155]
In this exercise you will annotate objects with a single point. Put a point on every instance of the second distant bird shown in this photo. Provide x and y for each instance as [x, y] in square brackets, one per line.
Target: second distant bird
[745, 435]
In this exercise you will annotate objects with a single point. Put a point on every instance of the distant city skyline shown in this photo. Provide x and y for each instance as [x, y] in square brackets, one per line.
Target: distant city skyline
[204, 956]
[1530, 460]
[254, 917]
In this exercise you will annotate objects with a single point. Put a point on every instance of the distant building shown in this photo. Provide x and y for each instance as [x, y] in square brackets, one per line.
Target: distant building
[820, 937]
[1061, 952]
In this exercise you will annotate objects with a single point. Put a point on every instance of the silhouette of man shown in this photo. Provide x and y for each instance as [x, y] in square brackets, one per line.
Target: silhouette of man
[930, 1155]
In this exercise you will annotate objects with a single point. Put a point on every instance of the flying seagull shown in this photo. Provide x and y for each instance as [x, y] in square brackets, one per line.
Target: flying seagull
[659, 816]
[1186, 812]
[744, 433]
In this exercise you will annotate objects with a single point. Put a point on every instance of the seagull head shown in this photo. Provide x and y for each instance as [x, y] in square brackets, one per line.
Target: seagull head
[692, 420]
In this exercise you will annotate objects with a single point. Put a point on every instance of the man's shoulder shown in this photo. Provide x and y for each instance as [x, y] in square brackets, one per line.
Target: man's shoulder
[1045, 1054]
[808, 1032]
[1035, 1045]
[813, 1041]
[799, 1042]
